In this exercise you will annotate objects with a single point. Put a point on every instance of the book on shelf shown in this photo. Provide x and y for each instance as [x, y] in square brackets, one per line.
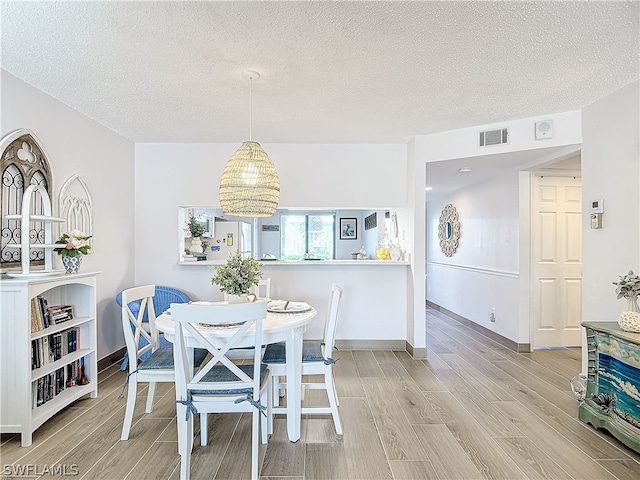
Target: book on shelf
[60, 313]
[34, 354]
[43, 316]
[51, 348]
[45, 311]
[36, 310]
[47, 387]
[34, 317]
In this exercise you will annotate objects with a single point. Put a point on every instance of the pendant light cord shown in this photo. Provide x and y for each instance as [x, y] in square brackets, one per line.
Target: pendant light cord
[250, 104]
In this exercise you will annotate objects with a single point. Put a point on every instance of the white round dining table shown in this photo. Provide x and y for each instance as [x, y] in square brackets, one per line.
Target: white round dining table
[276, 327]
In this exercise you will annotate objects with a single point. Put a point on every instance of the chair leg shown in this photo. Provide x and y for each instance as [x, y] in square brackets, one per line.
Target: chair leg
[203, 429]
[333, 400]
[151, 393]
[131, 404]
[125, 363]
[266, 421]
[185, 442]
[276, 390]
[255, 421]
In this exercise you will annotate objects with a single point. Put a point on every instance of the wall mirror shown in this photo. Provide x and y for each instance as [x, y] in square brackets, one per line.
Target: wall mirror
[449, 230]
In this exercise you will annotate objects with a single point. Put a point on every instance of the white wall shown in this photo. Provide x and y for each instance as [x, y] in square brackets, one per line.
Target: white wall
[489, 263]
[347, 177]
[463, 143]
[104, 160]
[610, 171]
[373, 301]
[172, 175]
[483, 273]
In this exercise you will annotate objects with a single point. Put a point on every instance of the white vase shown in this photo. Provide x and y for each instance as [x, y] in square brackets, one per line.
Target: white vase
[632, 304]
[242, 298]
[196, 245]
[238, 298]
[629, 319]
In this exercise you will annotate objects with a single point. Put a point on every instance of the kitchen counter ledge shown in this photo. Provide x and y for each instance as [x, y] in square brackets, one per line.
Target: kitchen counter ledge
[305, 262]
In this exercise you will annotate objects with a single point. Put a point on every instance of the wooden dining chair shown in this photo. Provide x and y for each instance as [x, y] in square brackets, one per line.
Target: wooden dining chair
[316, 361]
[220, 385]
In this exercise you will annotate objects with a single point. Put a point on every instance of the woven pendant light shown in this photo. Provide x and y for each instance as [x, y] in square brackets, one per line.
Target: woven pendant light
[250, 186]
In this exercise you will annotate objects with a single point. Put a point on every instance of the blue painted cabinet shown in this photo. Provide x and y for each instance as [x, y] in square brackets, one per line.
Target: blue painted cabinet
[613, 382]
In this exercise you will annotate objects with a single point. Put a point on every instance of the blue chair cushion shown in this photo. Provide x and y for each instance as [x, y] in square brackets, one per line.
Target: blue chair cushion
[220, 373]
[277, 353]
[163, 358]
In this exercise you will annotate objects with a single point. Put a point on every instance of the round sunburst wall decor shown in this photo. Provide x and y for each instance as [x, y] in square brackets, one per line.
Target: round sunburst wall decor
[449, 230]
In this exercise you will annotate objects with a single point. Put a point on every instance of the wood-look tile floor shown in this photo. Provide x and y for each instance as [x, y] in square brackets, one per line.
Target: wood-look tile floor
[472, 410]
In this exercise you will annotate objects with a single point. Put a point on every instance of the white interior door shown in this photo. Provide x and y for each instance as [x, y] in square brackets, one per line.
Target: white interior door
[557, 261]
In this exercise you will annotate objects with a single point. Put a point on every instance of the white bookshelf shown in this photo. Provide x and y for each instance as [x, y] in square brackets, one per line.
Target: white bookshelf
[17, 414]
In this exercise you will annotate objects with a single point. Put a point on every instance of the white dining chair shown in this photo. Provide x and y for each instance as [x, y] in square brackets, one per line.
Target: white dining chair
[158, 367]
[316, 360]
[148, 362]
[163, 296]
[263, 289]
[220, 385]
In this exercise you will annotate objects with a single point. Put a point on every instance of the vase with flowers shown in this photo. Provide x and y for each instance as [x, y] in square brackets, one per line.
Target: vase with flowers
[629, 288]
[196, 230]
[74, 244]
[237, 276]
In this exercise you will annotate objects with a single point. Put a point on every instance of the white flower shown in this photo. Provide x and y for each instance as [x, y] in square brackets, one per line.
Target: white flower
[76, 233]
[74, 241]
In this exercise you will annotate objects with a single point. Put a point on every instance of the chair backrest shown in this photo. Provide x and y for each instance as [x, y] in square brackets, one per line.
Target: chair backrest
[162, 299]
[332, 319]
[263, 289]
[190, 320]
[142, 298]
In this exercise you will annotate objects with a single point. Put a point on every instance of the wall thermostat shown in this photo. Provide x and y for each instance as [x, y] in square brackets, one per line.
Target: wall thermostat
[597, 206]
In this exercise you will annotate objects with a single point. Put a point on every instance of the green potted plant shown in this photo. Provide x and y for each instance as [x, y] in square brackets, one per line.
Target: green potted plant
[629, 288]
[196, 229]
[237, 276]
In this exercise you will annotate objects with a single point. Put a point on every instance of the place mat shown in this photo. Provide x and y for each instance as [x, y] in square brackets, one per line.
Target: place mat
[221, 325]
[278, 306]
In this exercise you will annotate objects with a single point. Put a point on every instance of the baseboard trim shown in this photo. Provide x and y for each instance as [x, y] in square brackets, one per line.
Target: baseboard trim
[496, 337]
[416, 353]
[402, 345]
[115, 357]
[370, 344]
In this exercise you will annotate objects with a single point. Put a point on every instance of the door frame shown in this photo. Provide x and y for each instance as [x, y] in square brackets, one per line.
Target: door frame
[526, 237]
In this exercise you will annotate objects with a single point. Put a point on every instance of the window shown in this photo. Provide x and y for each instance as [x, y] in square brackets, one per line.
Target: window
[300, 234]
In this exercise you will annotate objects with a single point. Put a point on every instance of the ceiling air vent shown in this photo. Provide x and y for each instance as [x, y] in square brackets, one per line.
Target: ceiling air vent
[494, 137]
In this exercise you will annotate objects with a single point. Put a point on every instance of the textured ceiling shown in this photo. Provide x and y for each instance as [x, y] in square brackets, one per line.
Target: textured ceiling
[332, 72]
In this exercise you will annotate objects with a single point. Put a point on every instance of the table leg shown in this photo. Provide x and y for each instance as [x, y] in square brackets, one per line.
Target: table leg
[294, 382]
